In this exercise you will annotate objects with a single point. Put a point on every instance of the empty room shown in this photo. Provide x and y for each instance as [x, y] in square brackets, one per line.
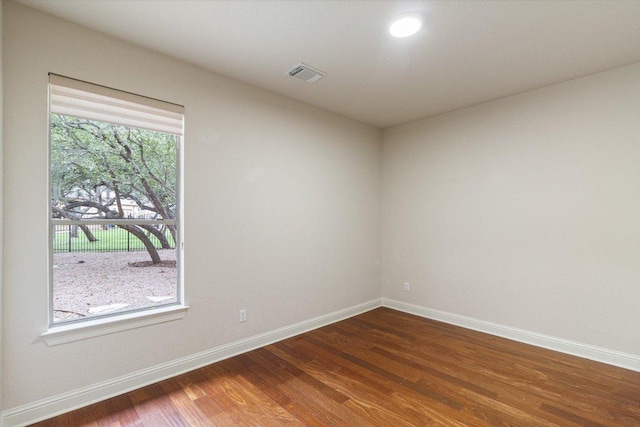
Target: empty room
[320, 213]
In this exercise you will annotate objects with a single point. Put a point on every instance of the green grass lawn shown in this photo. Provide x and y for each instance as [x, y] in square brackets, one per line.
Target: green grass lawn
[111, 240]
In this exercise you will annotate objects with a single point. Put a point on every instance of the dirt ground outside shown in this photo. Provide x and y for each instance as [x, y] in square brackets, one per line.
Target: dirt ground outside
[93, 283]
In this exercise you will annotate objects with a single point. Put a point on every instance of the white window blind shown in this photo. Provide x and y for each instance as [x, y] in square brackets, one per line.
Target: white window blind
[81, 99]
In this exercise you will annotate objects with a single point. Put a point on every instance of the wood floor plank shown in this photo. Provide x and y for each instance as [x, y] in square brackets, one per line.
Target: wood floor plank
[121, 407]
[374, 411]
[307, 403]
[450, 387]
[216, 416]
[442, 392]
[225, 398]
[382, 368]
[155, 408]
[189, 410]
[507, 398]
[260, 406]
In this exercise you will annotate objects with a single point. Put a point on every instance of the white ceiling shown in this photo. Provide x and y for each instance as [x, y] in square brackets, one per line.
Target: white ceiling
[466, 53]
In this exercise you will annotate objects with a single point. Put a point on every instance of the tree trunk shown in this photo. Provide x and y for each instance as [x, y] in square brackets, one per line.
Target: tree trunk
[148, 244]
[158, 234]
[87, 232]
[172, 230]
[74, 229]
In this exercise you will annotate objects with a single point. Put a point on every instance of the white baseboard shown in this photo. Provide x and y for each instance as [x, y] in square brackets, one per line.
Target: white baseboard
[599, 354]
[50, 407]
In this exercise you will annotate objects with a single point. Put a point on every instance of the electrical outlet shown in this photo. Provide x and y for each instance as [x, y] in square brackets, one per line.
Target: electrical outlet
[243, 315]
[407, 286]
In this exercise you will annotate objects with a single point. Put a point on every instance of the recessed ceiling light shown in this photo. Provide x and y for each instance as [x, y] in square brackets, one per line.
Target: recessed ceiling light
[405, 26]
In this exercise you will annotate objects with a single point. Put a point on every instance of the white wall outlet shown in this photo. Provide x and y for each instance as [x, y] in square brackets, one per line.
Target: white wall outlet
[243, 315]
[407, 286]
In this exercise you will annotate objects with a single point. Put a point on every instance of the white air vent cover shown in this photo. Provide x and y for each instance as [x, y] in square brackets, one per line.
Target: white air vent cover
[305, 72]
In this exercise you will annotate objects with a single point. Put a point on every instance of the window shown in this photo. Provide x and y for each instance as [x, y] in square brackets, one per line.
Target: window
[115, 202]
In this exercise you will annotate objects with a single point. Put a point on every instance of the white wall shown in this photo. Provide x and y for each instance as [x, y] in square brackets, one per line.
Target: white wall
[282, 208]
[524, 211]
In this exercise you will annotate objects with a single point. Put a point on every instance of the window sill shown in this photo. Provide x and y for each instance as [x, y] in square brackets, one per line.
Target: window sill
[63, 334]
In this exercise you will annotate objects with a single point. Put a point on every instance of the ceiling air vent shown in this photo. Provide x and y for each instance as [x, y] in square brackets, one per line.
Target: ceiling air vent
[305, 72]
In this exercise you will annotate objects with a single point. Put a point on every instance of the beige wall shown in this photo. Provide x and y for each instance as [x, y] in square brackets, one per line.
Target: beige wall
[524, 212]
[282, 206]
[1, 175]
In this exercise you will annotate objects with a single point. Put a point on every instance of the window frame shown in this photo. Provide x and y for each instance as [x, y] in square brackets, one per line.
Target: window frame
[100, 324]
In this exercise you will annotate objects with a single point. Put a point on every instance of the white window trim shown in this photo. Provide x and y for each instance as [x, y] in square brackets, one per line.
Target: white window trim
[71, 332]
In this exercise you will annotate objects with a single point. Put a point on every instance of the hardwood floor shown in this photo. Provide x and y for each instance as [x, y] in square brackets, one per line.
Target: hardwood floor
[383, 368]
